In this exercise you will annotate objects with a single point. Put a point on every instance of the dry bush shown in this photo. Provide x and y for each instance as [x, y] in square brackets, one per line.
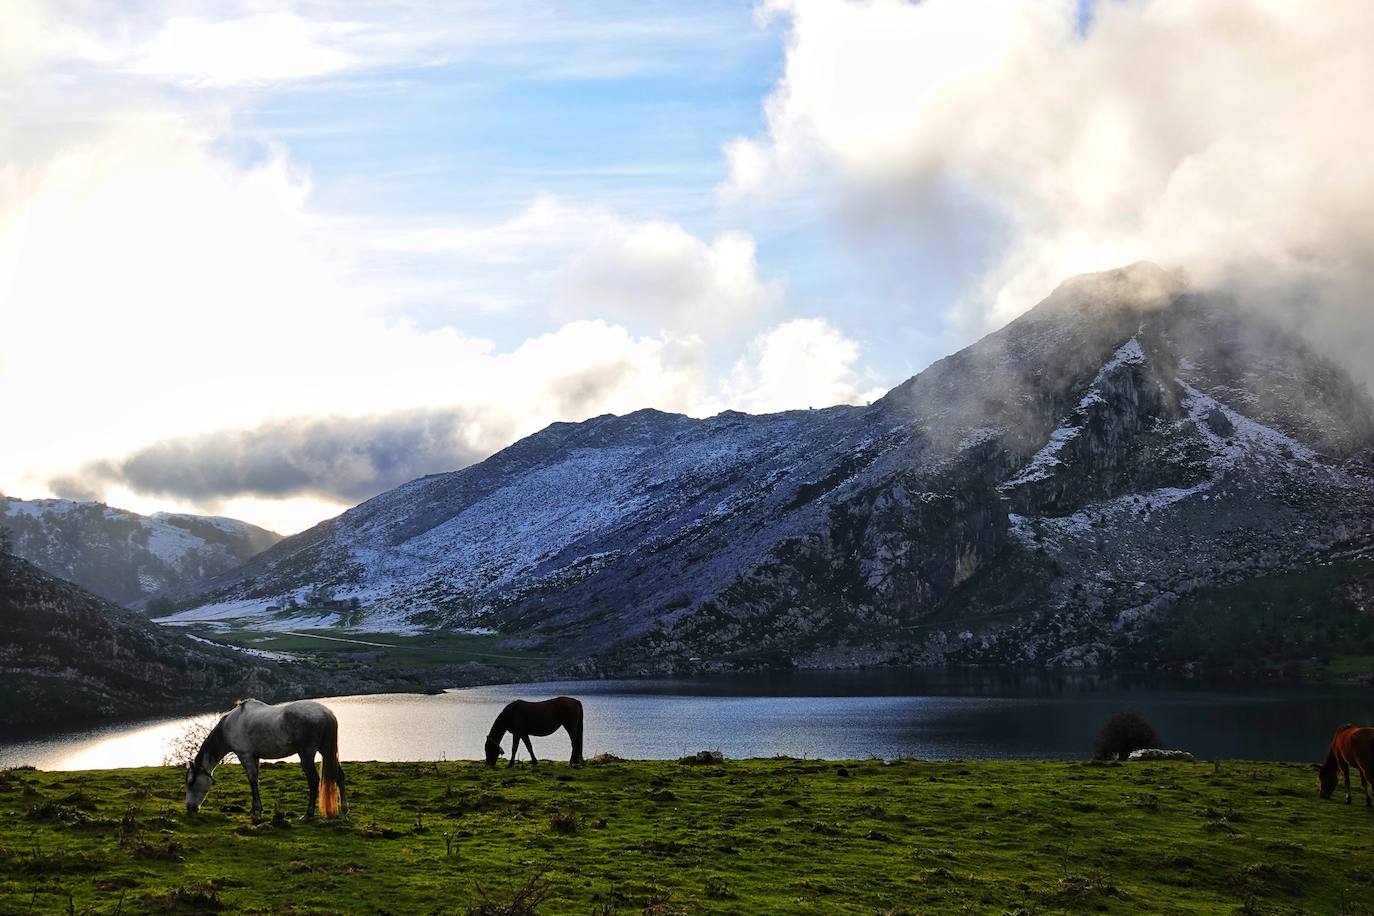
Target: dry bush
[525, 901]
[182, 747]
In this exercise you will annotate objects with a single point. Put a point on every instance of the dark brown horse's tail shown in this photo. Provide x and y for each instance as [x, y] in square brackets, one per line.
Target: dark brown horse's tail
[331, 775]
[576, 735]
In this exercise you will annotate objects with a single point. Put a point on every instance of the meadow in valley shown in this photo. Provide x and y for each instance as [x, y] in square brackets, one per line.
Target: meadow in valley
[748, 836]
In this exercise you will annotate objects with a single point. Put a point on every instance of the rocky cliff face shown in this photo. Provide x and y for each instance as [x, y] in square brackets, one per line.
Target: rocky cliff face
[123, 556]
[1031, 498]
[68, 656]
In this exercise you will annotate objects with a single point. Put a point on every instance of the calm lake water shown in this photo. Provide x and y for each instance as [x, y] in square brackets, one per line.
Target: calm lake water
[833, 715]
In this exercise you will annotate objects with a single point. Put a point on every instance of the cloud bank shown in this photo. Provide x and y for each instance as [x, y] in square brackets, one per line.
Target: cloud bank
[586, 368]
[184, 326]
[1225, 137]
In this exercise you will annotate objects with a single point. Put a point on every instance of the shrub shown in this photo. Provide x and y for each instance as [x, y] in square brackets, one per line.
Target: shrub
[564, 822]
[1124, 732]
[524, 902]
[703, 757]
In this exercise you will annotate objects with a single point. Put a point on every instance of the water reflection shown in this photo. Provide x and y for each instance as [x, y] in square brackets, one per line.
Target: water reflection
[933, 715]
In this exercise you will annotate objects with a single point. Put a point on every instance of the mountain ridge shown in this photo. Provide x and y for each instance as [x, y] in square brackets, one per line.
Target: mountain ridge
[988, 494]
[123, 556]
[69, 656]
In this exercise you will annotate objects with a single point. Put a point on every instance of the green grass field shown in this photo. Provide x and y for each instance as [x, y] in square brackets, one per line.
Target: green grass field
[416, 652]
[753, 836]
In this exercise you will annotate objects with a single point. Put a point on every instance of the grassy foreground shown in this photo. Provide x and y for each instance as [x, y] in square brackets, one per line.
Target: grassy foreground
[776, 835]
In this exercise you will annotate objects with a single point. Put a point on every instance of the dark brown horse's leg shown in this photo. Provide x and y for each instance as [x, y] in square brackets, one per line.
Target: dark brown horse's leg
[250, 768]
[312, 781]
[1345, 771]
[534, 761]
[514, 746]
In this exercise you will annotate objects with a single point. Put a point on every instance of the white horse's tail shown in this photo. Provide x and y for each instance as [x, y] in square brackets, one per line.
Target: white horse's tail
[331, 775]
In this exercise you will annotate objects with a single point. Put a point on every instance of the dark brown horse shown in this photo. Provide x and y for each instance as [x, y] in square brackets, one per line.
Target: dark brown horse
[1351, 746]
[522, 719]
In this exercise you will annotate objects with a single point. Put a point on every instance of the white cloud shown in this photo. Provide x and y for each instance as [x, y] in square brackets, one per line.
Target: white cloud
[578, 261]
[160, 295]
[659, 272]
[1224, 137]
[249, 50]
[805, 362]
[160, 300]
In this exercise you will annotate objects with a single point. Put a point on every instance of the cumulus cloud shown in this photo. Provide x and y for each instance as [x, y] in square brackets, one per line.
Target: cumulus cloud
[162, 300]
[578, 261]
[182, 326]
[805, 362]
[1224, 138]
[245, 50]
[660, 272]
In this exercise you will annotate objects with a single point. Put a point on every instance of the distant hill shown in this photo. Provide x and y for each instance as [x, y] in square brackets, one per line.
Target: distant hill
[123, 556]
[1040, 497]
[67, 655]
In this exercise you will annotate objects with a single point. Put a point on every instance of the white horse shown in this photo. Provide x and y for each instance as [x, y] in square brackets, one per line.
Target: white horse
[255, 731]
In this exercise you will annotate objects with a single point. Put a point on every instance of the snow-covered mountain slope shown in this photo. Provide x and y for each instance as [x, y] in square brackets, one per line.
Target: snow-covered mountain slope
[1028, 497]
[123, 556]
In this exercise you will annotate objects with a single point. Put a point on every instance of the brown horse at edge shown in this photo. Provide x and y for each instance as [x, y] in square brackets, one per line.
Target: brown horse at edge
[1351, 746]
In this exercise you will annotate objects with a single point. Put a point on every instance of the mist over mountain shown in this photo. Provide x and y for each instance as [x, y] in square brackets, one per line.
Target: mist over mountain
[125, 557]
[1044, 496]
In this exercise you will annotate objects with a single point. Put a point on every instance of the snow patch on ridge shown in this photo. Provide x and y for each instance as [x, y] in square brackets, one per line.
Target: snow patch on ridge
[1043, 462]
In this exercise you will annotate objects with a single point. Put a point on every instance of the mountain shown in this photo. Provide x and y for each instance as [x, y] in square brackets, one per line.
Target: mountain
[67, 655]
[123, 556]
[1042, 496]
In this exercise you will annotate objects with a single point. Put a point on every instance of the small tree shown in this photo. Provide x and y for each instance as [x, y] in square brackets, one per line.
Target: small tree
[1124, 732]
[6, 540]
[181, 748]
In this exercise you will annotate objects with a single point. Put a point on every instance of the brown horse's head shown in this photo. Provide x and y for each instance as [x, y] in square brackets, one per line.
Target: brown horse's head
[1326, 777]
[493, 749]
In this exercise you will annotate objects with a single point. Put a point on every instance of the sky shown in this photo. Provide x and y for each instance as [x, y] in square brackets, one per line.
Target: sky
[267, 260]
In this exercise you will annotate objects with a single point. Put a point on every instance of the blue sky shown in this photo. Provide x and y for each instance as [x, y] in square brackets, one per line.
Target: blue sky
[300, 251]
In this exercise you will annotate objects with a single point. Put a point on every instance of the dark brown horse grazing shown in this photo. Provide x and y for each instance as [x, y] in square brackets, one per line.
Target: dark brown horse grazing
[1350, 747]
[522, 719]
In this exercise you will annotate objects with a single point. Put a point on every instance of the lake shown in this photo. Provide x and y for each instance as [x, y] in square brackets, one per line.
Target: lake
[933, 715]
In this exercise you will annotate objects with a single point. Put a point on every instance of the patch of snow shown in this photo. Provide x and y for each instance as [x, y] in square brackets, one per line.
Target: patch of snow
[259, 653]
[37, 508]
[1249, 436]
[171, 544]
[1043, 462]
[976, 437]
[1085, 520]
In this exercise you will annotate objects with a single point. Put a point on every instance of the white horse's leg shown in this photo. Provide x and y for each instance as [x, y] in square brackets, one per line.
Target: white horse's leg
[312, 782]
[250, 768]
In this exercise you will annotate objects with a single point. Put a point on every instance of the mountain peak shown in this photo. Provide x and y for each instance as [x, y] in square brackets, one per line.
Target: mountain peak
[1142, 286]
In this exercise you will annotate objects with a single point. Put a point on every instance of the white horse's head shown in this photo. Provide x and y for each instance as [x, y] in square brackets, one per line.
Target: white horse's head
[198, 783]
